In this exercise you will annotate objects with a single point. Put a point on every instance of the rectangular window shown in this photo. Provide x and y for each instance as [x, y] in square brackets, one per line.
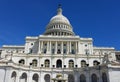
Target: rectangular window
[64, 51]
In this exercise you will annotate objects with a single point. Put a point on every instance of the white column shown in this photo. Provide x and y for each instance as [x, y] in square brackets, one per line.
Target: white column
[39, 47]
[56, 47]
[48, 47]
[68, 47]
[61, 47]
[76, 48]
[89, 48]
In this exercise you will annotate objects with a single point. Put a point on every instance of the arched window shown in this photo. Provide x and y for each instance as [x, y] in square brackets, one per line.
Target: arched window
[35, 78]
[83, 63]
[13, 76]
[95, 63]
[34, 63]
[71, 64]
[23, 77]
[94, 78]
[22, 62]
[47, 78]
[82, 78]
[47, 63]
[70, 78]
[59, 64]
[104, 77]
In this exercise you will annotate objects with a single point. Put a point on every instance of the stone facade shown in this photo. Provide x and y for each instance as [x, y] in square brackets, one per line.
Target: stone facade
[59, 56]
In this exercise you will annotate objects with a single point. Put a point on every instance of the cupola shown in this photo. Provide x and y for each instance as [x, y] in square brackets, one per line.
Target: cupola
[59, 25]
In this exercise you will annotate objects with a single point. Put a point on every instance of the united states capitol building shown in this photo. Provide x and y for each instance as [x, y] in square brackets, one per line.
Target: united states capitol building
[59, 55]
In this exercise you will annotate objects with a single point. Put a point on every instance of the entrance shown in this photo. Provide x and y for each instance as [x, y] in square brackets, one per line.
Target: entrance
[59, 81]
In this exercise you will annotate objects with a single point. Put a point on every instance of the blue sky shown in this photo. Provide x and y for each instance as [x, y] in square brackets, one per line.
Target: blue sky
[99, 19]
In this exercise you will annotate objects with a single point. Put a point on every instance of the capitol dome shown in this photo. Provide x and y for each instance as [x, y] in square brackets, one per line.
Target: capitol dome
[59, 25]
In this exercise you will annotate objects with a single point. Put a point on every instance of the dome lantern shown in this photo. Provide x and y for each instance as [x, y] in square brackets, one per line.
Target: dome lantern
[59, 10]
[59, 25]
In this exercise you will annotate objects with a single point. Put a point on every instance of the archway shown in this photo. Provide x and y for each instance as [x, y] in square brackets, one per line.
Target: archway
[35, 78]
[13, 76]
[82, 78]
[47, 78]
[70, 78]
[23, 77]
[104, 77]
[94, 78]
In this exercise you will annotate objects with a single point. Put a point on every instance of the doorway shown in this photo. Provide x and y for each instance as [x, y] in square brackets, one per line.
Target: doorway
[59, 81]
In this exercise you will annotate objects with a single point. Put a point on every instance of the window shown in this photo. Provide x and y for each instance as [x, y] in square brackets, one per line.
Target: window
[71, 64]
[59, 51]
[64, 51]
[83, 63]
[95, 63]
[53, 44]
[30, 51]
[53, 51]
[47, 63]
[86, 51]
[59, 64]
[73, 51]
[58, 44]
[23, 51]
[34, 63]
[72, 45]
[64, 44]
[45, 44]
[45, 50]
